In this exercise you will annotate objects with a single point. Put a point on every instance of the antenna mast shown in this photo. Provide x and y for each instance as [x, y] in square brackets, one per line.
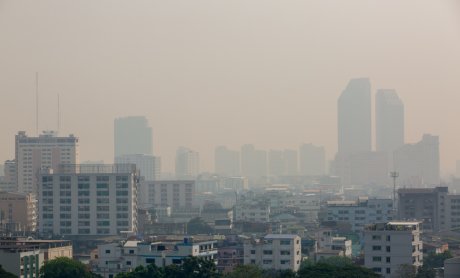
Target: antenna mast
[36, 103]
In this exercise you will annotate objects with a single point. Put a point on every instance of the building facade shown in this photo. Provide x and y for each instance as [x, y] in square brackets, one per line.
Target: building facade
[88, 200]
[274, 251]
[45, 151]
[149, 166]
[177, 194]
[187, 163]
[18, 212]
[132, 135]
[388, 246]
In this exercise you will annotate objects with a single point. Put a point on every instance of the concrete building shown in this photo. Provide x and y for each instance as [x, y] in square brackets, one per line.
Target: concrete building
[360, 213]
[45, 151]
[149, 166]
[88, 200]
[274, 251]
[10, 179]
[226, 162]
[132, 135]
[291, 165]
[354, 117]
[24, 258]
[255, 211]
[229, 258]
[328, 245]
[187, 163]
[418, 164]
[452, 268]
[114, 258]
[389, 119]
[177, 194]
[388, 246]
[312, 160]
[18, 212]
[253, 162]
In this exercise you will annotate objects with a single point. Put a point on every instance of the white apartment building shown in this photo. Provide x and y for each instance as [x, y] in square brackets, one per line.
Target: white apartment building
[115, 258]
[88, 200]
[252, 211]
[45, 151]
[359, 213]
[387, 246]
[274, 251]
[177, 194]
[328, 244]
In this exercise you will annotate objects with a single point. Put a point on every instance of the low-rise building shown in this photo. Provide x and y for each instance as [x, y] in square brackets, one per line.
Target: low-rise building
[114, 258]
[274, 251]
[329, 245]
[229, 258]
[252, 211]
[388, 246]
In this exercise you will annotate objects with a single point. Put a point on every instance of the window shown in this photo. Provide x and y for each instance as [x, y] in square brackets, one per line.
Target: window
[285, 242]
[131, 252]
[107, 251]
[376, 248]
[376, 259]
[376, 237]
[253, 252]
[388, 270]
[267, 261]
[149, 260]
[176, 261]
[253, 261]
[388, 249]
[128, 262]
[377, 269]
[268, 252]
[283, 252]
[285, 262]
[388, 238]
[388, 259]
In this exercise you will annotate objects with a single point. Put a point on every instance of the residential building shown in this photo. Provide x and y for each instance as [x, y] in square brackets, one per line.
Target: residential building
[88, 200]
[312, 160]
[226, 162]
[291, 165]
[114, 258]
[45, 151]
[253, 162]
[149, 166]
[177, 194]
[132, 135]
[10, 170]
[24, 258]
[360, 213]
[18, 212]
[229, 258]
[329, 245]
[274, 251]
[187, 163]
[418, 164]
[256, 211]
[388, 246]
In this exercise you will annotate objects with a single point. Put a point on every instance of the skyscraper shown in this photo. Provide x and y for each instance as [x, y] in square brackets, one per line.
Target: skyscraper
[187, 163]
[389, 119]
[312, 160]
[253, 162]
[45, 151]
[354, 117]
[226, 162]
[132, 136]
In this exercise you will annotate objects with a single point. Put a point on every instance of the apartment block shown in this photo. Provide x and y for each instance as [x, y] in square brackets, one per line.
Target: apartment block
[388, 246]
[177, 194]
[88, 200]
[274, 251]
[18, 212]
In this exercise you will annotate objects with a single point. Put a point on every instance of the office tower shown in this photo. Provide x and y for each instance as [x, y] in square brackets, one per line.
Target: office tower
[312, 160]
[418, 164]
[388, 246]
[290, 162]
[187, 163]
[88, 200]
[226, 162]
[253, 162]
[10, 172]
[275, 163]
[45, 151]
[354, 117]
[389, 118]
[132, 136]
[149, 166]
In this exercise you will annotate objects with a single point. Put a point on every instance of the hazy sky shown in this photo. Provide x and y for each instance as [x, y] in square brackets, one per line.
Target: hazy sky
[211, 72]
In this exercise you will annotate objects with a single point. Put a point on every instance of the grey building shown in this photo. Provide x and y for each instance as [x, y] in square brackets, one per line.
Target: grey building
[132, 135]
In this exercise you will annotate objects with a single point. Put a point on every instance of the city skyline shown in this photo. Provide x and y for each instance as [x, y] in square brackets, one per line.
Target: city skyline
[292, 85]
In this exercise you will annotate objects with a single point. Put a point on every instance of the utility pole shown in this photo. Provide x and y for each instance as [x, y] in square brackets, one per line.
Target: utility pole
[394, 176]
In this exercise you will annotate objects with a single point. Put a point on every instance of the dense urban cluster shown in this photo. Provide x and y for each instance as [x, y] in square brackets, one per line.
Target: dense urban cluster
[277, 213]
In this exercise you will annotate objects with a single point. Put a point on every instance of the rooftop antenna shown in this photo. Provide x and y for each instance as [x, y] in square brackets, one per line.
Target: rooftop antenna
[36, 102]
[58, 115]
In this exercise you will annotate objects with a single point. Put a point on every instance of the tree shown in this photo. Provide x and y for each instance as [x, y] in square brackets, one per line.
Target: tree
[64, 267]
[337, 267]
[144, 272]
[245, 271]
[406, 271]
[436, 260]
[6, 274]
[198, 226]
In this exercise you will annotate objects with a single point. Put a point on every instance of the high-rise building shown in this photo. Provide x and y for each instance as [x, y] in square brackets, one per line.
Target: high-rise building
[389, 119]
[418, 164]
[187, 163]
[88, 200]
[276, 163]
[291, 162]
[176, 194]
[312, 160]
[388, 246]
[149, 166]
[45, 151]
[253, 162]
[132, 136]
[11, 172]
[354, 117]
[226, 162]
